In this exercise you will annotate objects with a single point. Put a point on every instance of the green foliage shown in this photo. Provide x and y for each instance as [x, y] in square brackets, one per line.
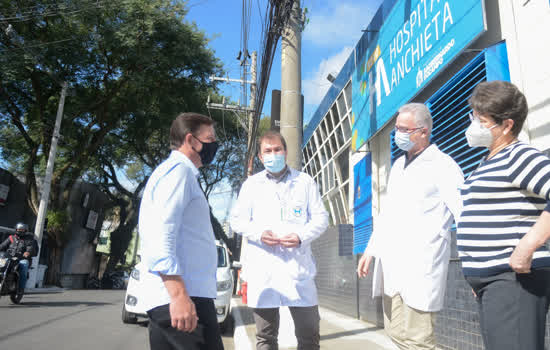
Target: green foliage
[58, 221]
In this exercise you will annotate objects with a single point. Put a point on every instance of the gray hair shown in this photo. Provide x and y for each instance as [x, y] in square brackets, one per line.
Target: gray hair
[422, 115]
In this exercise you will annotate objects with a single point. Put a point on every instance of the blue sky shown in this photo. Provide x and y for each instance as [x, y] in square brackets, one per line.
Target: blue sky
[333, 30]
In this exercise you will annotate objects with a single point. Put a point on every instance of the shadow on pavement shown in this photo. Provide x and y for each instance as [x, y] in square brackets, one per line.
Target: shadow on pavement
[54, 304]
[348, 333]
[246, 314]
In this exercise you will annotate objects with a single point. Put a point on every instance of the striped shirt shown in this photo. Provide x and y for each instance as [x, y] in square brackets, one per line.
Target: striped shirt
[502, 199]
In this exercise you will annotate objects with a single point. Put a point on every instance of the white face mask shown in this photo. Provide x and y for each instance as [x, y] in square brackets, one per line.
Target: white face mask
[403, 141]
[478, 135]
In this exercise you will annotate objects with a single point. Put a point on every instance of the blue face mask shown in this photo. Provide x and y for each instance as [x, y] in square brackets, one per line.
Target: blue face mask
[274, 163]
[403, 141]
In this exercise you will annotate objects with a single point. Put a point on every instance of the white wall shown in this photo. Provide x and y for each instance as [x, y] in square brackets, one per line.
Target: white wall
[525, 25]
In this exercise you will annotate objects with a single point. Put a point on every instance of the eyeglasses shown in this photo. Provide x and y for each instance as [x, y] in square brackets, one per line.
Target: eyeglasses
[407, 130]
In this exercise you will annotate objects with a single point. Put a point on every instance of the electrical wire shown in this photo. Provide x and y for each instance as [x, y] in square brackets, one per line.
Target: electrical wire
[277, 16]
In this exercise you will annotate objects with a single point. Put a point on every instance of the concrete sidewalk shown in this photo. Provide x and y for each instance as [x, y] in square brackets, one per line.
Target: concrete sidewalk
[337, 331]
[44, 290]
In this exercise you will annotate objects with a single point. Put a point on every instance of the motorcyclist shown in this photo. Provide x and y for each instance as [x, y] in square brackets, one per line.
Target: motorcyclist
[22, 244]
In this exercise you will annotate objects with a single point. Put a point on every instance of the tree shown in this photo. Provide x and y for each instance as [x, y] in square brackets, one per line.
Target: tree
[130, 64]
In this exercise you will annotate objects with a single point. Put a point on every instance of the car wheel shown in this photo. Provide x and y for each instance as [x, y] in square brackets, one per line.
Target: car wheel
[128, 317]
[226, 327]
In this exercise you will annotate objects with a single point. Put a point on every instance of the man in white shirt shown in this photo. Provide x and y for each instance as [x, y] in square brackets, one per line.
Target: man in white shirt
[280, 211]
[178, 244]
[411, 240]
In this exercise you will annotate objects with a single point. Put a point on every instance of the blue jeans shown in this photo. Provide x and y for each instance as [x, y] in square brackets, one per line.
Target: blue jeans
[23, 272]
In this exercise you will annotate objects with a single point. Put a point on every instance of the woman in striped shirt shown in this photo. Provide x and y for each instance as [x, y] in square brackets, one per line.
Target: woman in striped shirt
[505, 222]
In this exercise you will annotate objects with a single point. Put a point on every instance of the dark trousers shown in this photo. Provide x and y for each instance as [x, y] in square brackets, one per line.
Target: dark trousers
[512, 309]
[162, 336]
[306, 325]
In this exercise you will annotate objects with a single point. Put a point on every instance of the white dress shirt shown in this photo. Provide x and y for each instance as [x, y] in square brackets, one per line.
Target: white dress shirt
[279, 276]
[176, 232]
[411, 238]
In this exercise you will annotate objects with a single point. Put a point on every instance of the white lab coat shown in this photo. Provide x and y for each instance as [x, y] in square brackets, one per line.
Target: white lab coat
[278, 276]
[411, 238]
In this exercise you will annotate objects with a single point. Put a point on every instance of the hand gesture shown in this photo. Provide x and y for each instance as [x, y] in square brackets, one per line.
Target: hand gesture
[269, 238]
[290, 241]
[183, 314]
[363, 265]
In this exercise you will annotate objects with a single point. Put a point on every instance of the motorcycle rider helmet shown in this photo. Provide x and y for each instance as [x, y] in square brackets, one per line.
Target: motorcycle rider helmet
[21, 227]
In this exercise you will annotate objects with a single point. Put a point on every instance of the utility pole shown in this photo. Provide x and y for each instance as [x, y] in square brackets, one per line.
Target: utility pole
[45, 195]
[252, 108]
[291, 86]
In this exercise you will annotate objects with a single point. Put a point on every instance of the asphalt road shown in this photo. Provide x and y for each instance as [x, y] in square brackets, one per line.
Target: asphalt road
[75, 319]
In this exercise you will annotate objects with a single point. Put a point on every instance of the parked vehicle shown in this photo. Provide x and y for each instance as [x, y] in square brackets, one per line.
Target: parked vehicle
[133, 307]
[9, 277]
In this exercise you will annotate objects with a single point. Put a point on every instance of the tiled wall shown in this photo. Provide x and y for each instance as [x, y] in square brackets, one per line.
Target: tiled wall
[336, 282]
[457, 325]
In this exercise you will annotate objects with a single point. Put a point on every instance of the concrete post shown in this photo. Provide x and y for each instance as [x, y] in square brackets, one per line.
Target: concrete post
[45, 195]
[291, 87]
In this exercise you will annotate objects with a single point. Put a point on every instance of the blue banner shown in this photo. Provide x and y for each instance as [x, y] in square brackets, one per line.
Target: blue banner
[362, 204]
[417, 40]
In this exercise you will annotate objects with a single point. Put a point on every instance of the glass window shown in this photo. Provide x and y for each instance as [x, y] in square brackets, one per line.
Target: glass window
[347, 92]
[314, 143]
[323, 156]
[343, 163]
[333, 143]
[314, 165]
[309, 152]
[328, 121]
[305, 156]
[335, 117]
[340, 137]
[341, 106]
[326, 128]
[347, 129]
[345, 192]
[222, 261]
[338, 209]
[321, 132]
[344, 212]
[317, 163]
[331, 177]
[327, 150]
[325, 180]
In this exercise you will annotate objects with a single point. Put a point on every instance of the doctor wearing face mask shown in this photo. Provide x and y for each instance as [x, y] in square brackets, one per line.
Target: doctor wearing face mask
[280, 211]
[505, 222]
[411, 238]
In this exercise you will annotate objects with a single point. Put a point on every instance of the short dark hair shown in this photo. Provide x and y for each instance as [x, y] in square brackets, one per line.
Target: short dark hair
[270, 135]
[186, 123]
[500, 100]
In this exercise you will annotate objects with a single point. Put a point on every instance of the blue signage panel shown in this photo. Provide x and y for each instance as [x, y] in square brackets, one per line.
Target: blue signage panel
[362, 204]
[417, 40]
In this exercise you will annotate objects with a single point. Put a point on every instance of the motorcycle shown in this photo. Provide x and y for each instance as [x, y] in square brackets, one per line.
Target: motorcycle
[9, 276]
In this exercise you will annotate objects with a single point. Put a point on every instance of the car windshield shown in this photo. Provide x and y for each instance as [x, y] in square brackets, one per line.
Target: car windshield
[222, 262]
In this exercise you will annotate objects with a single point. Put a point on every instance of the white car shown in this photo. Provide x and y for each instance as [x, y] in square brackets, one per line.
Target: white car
[133, 307]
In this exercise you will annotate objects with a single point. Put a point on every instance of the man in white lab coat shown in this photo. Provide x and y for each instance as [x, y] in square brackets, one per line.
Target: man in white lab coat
[280, 211]
[411, 239]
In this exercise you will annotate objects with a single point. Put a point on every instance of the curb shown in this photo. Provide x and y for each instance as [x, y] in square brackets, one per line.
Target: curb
[44, 290]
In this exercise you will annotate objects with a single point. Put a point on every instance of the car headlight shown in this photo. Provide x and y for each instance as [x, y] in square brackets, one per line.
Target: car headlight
[223, 285]
[3, 262]
[135, 274]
